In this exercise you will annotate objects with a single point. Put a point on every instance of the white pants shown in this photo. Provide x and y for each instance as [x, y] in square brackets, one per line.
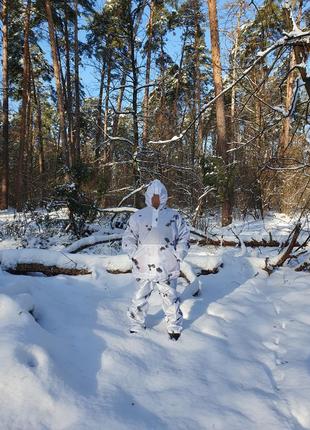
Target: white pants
[170, 304]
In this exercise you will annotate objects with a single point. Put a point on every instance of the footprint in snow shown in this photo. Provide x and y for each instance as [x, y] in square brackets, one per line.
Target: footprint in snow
[32, 356]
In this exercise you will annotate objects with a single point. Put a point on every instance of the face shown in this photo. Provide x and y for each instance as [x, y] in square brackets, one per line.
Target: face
[155, 201]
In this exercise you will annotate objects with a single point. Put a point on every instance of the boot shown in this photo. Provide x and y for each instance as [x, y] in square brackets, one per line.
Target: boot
[174, 336]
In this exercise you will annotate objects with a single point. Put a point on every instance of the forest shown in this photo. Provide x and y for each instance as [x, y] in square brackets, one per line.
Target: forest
[99, 98]
[155, 215]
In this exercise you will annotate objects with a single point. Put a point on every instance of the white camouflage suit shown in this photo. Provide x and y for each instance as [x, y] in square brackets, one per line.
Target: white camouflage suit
[156, 240]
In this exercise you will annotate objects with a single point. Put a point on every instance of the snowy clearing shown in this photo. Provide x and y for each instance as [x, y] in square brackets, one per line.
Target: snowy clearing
[242, 362]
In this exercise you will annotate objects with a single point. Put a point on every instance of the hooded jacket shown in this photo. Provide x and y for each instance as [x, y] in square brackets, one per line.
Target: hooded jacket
[156, 239]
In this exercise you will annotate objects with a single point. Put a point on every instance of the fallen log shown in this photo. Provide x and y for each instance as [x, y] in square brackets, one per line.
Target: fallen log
[270, 265]
[51, 263]
[253, 243]
[206, 240]
[94, 239]
[97, 239]
[28, 268]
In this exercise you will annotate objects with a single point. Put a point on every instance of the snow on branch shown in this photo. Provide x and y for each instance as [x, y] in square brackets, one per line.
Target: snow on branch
[135, 191]
[290, 112]
[118, 209]
[292, 38]
[92, 240]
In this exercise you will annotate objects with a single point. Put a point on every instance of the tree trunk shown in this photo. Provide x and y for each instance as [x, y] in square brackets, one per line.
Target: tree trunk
[77, 83]
[162, 118]
[69, 103]
[30, 153]
[119, 104]
[114, 170]
[39, 136]
[21, 175]
[197, 90]
[107, 96]
[135, 111]
[222, 146]
[57, 75]
[99, 112]
[233, 128]
[285, 133]
[4, 197]
[107, 150]
[28, 140]
[147, 76]
[177, 88]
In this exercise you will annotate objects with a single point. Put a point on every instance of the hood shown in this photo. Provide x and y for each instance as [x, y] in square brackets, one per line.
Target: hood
[156, 187]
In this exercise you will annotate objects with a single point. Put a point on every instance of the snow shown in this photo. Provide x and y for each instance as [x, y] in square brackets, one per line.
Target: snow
[93, 239]
[281, 110]
[278, 225]
[11, 257]
[242, 361]
[119, 209]
[173, 139]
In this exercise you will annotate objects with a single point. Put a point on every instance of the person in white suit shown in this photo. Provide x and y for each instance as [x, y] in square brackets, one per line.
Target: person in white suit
[156, 239]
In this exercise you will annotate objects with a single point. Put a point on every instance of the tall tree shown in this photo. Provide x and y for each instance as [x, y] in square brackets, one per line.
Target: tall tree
[148, 72]
[222, 145]
[77, 83]
[4, 197]
[21, 178]
[285, 133]
[68, 86]
[57, 74]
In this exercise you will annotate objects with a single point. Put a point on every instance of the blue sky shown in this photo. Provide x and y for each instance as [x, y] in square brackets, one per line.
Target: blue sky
[90, 76]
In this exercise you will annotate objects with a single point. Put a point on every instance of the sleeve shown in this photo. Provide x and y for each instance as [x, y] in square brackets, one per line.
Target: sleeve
[182, 245]
[130, 238]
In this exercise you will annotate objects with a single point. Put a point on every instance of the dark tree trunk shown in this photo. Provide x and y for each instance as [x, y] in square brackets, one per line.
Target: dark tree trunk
[39, 135]
[222, 146]
[145, 135]
[21, 177]
[69, 99]
[57, 75]
[77, 143]
[99, 112]
[119, 104]
[135, 148]
[4, 197]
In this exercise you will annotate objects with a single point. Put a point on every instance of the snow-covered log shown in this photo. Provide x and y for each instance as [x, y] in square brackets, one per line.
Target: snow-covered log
[24, 268]
[51, 263]
[94, 239]
[21, 261]
[98, 238]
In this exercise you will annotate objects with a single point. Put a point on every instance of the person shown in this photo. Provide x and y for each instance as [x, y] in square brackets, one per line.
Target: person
[157, 240]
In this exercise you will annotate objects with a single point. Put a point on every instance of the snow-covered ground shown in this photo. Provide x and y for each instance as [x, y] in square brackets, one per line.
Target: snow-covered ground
[242, 362]
[275, 226]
